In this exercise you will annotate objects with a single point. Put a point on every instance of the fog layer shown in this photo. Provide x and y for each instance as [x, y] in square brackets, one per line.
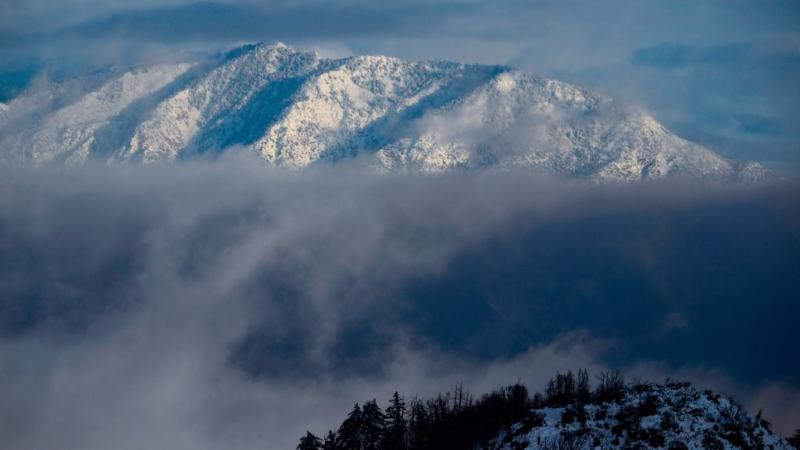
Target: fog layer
[222, 306]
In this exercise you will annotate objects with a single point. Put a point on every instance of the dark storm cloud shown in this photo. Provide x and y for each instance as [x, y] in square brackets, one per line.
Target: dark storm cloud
[744, 56]
[236, 21]
[221, 306]
[211, 21]
[99, 34]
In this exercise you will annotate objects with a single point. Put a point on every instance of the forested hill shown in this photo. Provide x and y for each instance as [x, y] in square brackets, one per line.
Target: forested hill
[569, 415]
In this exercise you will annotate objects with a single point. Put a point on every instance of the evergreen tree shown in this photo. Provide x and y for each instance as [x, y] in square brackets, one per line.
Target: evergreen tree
[309, 442]
[350, 436]
[395, 424]
[372, 426]
[330, 443]
[418, 426]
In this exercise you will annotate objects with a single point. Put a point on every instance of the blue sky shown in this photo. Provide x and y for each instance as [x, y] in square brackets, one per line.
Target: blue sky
[720, 72]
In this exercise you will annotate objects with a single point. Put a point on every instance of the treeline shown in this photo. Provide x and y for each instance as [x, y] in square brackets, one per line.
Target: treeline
[457, 420]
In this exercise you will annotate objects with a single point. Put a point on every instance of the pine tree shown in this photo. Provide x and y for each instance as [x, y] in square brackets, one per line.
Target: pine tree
[372, 426]
[330, 443]
[309, 442]
[395, 424]
[418, 425]
[349, 436]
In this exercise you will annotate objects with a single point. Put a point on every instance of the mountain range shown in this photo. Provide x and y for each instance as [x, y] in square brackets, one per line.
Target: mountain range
[294, 109]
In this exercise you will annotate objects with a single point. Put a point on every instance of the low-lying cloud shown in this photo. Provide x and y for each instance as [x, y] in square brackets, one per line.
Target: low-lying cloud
[225, 306]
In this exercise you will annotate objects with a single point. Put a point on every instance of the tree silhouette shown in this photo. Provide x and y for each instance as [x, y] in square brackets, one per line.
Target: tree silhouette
[584, 389]
[560, 390]
[610, 387]
[395, 438]
[457, 421]
[349, 436]
[330, 442]
[309, 442]
[795, 440]
[372, 426]
[418, 425]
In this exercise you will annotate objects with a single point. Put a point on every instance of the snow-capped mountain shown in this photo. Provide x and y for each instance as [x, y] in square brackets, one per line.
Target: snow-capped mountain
[672, 416]
[294, 109]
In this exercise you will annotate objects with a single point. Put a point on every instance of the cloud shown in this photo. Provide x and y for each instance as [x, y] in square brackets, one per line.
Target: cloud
[220, 306]
[244, 21]
[772, 54]
[148, 385]
[741, 97]
[736, 97]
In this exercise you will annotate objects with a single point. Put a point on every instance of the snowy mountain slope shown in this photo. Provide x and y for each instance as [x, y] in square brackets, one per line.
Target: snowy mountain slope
[293, 109]
[341, 111]
[674, 416]
[67, 132]
[208, 113]
[519, 120]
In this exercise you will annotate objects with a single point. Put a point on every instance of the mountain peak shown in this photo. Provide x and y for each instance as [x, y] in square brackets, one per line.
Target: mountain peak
[247, 50]
[274, 46]
[294, 109]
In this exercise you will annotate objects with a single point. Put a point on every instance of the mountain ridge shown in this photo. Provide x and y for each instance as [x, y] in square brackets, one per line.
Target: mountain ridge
[293, 109]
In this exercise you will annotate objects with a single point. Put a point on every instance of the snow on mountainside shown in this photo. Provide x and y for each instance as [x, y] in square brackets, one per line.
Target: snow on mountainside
[294, 109]
[671, 416]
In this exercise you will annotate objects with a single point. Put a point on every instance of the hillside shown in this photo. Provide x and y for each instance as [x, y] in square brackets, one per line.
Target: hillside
[570, 415]
[673, 416]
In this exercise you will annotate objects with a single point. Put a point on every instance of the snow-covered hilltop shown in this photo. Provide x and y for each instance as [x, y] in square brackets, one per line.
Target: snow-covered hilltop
[672, 416]
[570, 415]
[293, 109]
